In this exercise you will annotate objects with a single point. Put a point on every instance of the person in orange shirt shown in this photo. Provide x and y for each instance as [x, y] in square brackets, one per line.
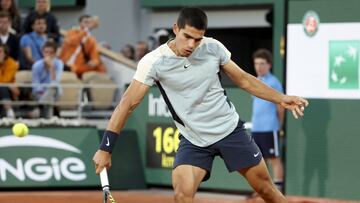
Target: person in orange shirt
[8, 68]
[79, 51]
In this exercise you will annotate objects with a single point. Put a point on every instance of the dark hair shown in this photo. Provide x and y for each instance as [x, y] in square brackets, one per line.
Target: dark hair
[6, 49]
[264, 54]
[5, 14]
[13, 11]
[193, 17]
[38, 17]
[144, 43]
[83, 17]
[50, 44]
[132, 50]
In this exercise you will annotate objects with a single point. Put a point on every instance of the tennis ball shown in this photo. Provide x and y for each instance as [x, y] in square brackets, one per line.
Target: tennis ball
[20, 130]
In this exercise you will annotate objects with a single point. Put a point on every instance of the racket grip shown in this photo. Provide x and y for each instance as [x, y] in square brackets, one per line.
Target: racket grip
[104, 179]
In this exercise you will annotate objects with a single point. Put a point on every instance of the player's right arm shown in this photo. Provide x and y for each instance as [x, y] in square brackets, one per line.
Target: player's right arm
[128, 103]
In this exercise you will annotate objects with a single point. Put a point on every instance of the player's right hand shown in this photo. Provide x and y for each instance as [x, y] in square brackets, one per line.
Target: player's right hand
[101, 160]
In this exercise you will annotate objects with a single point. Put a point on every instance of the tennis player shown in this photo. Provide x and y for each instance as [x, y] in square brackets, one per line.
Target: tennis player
[186, 70]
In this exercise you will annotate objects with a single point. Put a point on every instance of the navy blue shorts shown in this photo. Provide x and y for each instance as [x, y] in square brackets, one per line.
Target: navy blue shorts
[238, 150]
[268, 143]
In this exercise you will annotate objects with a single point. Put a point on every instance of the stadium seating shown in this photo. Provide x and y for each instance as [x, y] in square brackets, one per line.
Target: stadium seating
[71, 91]
[23, 76]
[102, 89]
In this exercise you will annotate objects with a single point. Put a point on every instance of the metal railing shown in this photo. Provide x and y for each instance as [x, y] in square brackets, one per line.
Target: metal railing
[77, 104]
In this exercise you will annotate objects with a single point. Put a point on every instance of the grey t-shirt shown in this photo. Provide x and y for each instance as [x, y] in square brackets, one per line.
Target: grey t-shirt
[192, 90]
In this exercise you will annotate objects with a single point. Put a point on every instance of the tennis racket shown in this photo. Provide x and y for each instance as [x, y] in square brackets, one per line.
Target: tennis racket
[106, 187]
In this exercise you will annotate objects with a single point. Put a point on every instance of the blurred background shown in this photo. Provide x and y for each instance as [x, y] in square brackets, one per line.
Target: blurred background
[315, 46]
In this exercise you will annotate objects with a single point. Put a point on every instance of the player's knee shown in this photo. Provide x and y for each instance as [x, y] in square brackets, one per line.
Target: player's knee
[183, 193]
[182, 197]
[266, 192]
[179, 196]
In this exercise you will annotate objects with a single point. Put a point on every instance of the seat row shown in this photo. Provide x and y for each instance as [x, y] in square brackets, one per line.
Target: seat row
[94, 89]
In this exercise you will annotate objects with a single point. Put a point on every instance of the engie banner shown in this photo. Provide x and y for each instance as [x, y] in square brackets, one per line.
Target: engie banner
[48, 157]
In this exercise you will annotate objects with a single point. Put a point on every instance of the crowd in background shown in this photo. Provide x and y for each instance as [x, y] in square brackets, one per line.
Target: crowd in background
[35, 44]
[136, 52]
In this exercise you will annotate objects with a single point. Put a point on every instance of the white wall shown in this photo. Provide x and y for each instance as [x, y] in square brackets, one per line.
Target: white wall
[125, 22]
[217, 18]
[119, 20]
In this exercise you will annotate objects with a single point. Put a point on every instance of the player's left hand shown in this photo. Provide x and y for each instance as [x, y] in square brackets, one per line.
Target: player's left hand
[295, 104]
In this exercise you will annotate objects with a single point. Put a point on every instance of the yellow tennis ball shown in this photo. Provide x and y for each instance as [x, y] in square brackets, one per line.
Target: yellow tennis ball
[20, 130]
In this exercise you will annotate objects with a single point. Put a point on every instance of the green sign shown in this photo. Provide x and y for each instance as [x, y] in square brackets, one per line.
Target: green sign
[162, 144]
[48, 157]
[54, 3]
[344, 64]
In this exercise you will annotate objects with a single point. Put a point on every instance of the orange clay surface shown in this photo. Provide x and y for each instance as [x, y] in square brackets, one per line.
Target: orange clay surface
[143, 196]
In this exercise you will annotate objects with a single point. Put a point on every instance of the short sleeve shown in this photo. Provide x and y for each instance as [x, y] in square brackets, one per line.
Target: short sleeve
[145, 72]
[223, 53]
[25, 41]
[278, 86]
[59, 68]
[36, 71]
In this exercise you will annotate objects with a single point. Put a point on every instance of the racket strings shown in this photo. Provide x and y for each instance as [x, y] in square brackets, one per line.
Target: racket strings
[108, 196]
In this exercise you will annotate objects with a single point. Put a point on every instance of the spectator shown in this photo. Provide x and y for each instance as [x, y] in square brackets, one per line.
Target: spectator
[10, 7]
[47, 71]
[42, 8]
[7, 38]
[159, 37]
[80, 51]
[268, 118]
[31, 43]
[8, 68]
[141, 49]
[105, 45]
[128, 51]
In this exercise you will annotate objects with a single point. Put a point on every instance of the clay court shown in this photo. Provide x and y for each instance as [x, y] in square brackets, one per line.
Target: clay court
[314, 48]
[147, 196]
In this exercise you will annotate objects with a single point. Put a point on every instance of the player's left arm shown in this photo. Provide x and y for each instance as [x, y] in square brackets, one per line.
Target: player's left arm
[280, 111]
[259, 89]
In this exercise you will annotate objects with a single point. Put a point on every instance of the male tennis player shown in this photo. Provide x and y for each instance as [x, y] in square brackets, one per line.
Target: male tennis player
[186, 71]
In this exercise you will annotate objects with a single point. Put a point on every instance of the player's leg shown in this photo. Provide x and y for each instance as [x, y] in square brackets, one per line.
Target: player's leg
[278, 172]
[191, 166]
[186, 180]
[268, 143]
[260, 180]
[240, 153]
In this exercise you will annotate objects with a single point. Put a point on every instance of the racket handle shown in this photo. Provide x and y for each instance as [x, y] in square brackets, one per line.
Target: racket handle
[104, 179]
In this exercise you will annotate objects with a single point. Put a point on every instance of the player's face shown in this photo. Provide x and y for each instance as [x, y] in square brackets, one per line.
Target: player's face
[262, 66]
[187, 39]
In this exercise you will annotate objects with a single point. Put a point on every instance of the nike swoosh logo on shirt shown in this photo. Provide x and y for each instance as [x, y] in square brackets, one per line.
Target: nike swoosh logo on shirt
[186, 66]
